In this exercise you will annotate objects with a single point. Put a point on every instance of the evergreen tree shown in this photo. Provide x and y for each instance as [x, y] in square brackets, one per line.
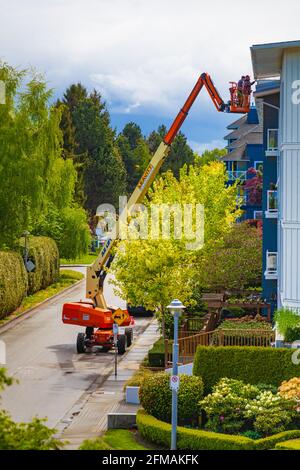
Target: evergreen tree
[134, 152]
[180, 152]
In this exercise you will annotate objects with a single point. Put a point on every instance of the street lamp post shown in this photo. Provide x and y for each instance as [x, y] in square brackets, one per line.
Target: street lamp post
[175, 307]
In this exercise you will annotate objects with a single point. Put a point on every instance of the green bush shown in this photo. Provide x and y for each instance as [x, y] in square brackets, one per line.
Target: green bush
[13, 282]
[69, 228]
[225, 406]
[159, 432]
[44, 254]
[292, 334]
[156, 355]
[286, 321]
[156, 396]
[272, 441]
[251, 364]
[236, 312]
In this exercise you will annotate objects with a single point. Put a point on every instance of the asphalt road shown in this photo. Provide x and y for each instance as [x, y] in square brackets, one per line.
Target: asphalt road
[41, 354]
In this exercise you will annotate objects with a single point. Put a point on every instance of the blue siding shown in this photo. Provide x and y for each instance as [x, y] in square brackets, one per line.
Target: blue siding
[270, 177]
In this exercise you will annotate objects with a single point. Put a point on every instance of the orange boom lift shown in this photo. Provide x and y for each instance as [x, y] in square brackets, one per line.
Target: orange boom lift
[94, 314]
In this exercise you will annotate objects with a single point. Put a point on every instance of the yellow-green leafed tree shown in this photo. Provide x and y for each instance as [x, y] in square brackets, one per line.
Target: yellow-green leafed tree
[152, 272]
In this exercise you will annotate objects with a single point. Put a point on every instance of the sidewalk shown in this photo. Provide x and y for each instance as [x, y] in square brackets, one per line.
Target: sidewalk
[88, 419]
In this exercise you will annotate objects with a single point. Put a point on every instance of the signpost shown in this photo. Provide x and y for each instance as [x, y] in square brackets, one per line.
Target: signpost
[175, 308]
[119, 316]
[115, 332]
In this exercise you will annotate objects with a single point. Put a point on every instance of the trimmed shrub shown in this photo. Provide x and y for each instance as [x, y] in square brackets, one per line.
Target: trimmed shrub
[289, 445]
[159, 432]
[156, 355]
[271, 441]
[13, 282]
[250, 364]
[156, 396]
[43, 252]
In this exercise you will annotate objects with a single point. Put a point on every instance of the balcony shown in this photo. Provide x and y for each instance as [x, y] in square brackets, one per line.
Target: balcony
[272, 204]
[272, 143]
[271, 265]
[237, 175]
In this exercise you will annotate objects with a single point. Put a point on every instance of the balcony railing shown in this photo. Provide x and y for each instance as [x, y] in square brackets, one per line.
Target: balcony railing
[272, 203]
[237, 175]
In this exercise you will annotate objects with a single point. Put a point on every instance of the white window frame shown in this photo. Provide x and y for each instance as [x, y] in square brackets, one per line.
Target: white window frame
[257, 163]
[258, 212]
[270, 212]
[271, 273]
[271, 149]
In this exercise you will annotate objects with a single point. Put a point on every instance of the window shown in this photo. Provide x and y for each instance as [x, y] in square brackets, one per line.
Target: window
[271, 264]
[272, 139]
[258, 215]
[259, 166]
[272, 202]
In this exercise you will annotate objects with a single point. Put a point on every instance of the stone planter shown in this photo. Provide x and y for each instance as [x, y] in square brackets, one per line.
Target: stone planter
[132, 395]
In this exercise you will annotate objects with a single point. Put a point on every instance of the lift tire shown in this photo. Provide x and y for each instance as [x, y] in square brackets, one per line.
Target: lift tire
[129, 336]
[80, 344]
[121, 344]
[89, 331]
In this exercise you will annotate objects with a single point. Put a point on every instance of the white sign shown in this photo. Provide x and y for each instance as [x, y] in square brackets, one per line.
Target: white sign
[115, 329]
[121, 330]
[174, 382]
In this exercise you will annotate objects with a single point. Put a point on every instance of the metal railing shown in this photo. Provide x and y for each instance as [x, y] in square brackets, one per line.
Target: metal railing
[188, 345]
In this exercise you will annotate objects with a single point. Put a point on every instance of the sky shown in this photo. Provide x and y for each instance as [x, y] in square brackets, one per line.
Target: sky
[144, 56]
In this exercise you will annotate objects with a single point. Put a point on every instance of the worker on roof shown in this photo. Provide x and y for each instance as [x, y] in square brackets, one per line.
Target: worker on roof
[247, 91]
[240, 87]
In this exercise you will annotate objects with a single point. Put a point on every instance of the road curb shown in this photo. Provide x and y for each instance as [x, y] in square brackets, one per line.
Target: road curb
[31, 311]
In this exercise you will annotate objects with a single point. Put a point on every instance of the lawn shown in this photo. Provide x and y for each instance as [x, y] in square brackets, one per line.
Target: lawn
[89, 258]
[116, 439]
[66, 279]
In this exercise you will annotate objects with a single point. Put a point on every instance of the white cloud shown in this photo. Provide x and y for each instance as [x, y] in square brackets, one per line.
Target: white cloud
[143, 55]
[201, 147]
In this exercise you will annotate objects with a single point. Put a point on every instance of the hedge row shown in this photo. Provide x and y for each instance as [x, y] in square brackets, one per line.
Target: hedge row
[289, 445]
[158, 432]
[44, 253]
[250, 364]
[16, 283]
[13, 282]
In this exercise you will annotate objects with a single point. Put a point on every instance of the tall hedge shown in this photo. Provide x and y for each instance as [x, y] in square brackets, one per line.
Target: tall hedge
[13, 282]
[44, 253]
[250, 364]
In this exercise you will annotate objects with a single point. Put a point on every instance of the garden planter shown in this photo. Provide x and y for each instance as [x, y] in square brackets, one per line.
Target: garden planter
[132, 395]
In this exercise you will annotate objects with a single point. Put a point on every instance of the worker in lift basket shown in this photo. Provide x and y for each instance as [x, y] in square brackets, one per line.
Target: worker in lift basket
[247, 91]
[240, 87]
